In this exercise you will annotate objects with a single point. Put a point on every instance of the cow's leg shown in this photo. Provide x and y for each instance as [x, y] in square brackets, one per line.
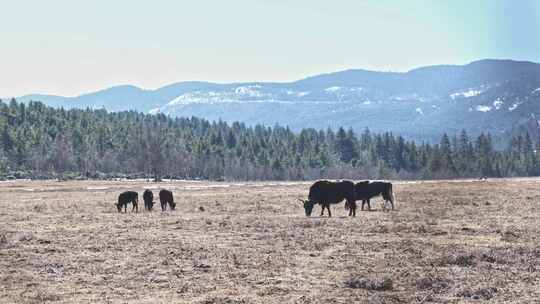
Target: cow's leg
[368, 205]
[322, 210]
[125, 208]
[363, 203]
[352, 210]
[329, 213]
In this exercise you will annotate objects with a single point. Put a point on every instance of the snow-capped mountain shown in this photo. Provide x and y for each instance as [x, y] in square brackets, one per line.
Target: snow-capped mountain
[495, 96]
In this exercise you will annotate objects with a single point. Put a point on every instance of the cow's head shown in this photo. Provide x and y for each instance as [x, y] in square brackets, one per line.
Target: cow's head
[119, 207]
[172, 205]
[308, 206]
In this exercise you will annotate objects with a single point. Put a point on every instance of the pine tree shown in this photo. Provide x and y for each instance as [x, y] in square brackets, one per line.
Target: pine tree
[447, 163]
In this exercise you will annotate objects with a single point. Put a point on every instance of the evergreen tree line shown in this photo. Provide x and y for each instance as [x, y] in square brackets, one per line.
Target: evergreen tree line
[37, 141]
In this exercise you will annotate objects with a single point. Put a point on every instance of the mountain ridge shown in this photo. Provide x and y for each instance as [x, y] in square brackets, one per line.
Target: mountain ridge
[488, 95]
[279, 82]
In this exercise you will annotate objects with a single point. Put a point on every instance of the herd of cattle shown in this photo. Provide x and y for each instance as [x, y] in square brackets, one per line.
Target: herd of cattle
[165, 197]
[326, 193]
[323, 192]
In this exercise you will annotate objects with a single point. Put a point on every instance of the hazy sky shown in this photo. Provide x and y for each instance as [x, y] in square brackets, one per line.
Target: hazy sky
[70, 47]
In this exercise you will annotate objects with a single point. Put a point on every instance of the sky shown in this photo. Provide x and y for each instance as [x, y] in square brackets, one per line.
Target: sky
[70, 47]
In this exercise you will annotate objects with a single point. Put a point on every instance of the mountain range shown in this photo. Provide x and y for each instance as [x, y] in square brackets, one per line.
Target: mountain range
[496, 96]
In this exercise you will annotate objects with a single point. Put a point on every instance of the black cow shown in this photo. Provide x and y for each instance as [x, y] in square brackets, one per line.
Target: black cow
[366, 190]
[148, 197]
[128, 197]
[166, 197]
[327, 193]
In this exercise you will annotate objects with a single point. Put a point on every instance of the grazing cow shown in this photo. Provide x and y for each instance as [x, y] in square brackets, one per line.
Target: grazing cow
[148, 197]
[365, 191]
[128, 197]
[327, 193]
[166, 197]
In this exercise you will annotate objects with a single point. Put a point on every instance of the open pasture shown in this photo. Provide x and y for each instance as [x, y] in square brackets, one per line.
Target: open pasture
[447, 242]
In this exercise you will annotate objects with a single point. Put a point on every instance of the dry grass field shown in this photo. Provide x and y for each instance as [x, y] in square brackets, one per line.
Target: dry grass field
[447, 242]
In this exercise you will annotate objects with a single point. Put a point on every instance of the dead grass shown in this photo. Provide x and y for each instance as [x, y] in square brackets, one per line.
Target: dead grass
[448, 242]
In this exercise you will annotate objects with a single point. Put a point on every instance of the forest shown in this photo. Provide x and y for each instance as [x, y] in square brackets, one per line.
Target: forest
[41, 142]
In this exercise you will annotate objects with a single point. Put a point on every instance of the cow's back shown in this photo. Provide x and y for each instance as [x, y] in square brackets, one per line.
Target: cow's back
[127, 196]
[320, 191]
[326, 192]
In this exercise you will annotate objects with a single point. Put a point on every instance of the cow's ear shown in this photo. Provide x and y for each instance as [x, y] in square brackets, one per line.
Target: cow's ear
[301, 200]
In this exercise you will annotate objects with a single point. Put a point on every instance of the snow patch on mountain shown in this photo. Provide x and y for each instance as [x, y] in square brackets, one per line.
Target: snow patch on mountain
[467, 94]
[336, 89]
[483, 108]
[514, 106]
[536, 91]
[419, 111]
[332, 89]
[250, 90]
[154, 111]
[237, 94]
